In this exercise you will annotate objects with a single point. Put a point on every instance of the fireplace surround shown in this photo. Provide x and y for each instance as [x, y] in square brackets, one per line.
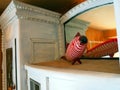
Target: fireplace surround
[37, 35]
[34, 34]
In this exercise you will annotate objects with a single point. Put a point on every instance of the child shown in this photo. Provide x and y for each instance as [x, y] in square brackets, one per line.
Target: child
[76, 48]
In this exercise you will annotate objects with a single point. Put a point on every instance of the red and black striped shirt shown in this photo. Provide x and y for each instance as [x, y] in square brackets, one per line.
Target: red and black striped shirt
[75, 49]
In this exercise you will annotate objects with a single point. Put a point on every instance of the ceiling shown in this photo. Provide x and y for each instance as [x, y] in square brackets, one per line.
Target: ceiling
[60, 6]
[101, 18]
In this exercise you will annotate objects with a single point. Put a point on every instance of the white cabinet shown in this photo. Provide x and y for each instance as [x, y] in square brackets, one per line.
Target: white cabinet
[65, 79]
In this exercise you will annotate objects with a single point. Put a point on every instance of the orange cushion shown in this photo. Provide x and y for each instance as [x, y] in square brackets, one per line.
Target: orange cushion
[106, 48]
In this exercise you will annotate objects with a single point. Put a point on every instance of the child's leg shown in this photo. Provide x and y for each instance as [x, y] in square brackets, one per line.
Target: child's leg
[76, 60]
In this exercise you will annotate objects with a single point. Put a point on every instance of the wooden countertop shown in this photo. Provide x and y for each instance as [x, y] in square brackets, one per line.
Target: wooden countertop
[107, 66]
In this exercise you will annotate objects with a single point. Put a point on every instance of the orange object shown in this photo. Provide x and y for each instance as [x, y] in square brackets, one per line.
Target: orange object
[108, 47]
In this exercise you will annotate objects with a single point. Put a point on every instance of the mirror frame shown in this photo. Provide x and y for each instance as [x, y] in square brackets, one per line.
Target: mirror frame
[83, 7]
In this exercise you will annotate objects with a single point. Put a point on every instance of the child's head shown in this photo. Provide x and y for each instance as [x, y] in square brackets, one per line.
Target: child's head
[83, 39]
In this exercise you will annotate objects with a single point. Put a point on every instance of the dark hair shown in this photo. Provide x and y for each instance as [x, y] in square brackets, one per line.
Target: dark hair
[83, 39]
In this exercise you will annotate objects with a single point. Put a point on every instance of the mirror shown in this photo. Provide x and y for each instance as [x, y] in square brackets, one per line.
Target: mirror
[98, 24]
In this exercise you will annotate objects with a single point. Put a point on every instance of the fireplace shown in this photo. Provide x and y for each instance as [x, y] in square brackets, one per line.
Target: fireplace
[34, 85]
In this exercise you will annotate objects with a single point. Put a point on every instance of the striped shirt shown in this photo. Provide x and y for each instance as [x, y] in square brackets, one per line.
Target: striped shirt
[75, 49]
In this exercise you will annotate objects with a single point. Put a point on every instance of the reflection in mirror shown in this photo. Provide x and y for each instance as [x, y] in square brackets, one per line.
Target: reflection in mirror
[74, 26]
[99, 26]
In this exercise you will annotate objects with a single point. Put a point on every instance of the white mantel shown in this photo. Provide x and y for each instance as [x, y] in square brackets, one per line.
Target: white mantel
[37, 35]
[51, 78]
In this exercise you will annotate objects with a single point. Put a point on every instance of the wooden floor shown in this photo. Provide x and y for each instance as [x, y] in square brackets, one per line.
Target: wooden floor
[109, 66]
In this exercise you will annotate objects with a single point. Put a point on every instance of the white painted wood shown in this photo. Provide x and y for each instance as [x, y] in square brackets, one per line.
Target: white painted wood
[44, 49]
[66, 79]
[117, 15]
[89, 4]
[37, 39]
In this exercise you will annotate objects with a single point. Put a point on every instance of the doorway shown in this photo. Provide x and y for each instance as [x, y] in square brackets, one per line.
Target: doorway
[9, 68]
